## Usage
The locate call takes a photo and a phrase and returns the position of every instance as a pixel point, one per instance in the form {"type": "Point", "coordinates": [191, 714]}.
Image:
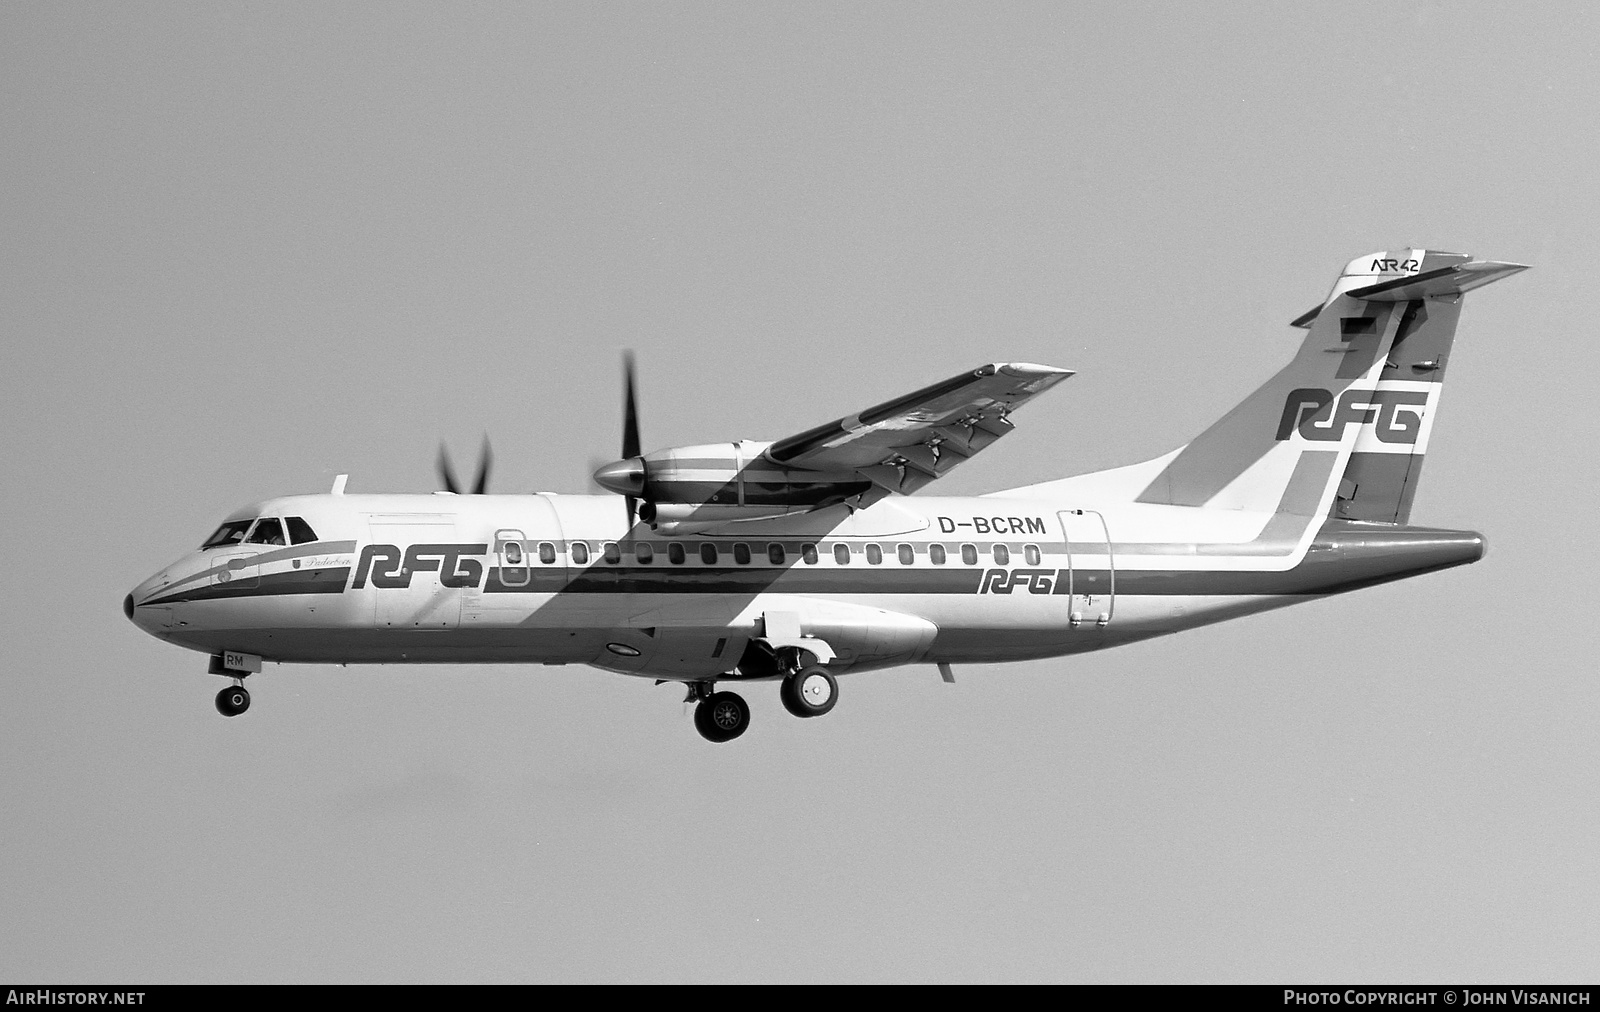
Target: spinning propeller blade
{"type": "Point", "coordinates": [630, 423]}
{"type": "Point", "coordinates": [630, 409]}
{"type": "Point", "coordinates": [447, 474]}
{"type": "Point", "coordinates": [485, 459]}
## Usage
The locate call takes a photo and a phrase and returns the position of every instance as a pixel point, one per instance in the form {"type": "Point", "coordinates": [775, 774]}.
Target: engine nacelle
{"type": "Point", "coordinates": [733, 476]}
{"type": "Point", "coordinates": [692, 518]}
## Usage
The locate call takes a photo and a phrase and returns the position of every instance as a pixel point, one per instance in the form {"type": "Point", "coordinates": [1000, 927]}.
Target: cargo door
{"type": "Point", "coordinates": [409, 589]}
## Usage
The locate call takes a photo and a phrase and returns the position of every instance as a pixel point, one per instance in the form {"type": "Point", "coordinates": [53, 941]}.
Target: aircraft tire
{"type": "Point", "coordinates": [809, 692]}
{"type": "Point", "coordinates": [702, 724]}
{"type": "Point", "coordinates": [786, 696]}
{"type": "Point", "coordinates": [722, 716]}
{"type": "Point", "coordinates": [233, 701]}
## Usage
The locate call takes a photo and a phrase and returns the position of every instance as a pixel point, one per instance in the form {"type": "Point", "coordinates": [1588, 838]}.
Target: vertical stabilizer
{"type": "Point", "coordinates": [1380, 478]}
{"type": "Point", "coordinates": [1342, 428]}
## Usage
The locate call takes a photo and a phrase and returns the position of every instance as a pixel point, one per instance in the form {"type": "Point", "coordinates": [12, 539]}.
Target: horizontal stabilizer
{"type": "Point", "coordinates": [1444, 281]}
{"type": "Point", "coordinates": [1415, 274]}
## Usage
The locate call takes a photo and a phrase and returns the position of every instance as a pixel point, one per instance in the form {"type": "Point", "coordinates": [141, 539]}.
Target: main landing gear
{"type": "Point", "coordinates": [724, 716]}
{"type": "Point", "coordinates": [809, 692]}
{"type": "Point", "coordinates": [718, 716]}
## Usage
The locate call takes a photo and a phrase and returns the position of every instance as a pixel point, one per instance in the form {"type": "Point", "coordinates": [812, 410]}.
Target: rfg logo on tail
{"type": "Point", "coordinates": [1311, 411]}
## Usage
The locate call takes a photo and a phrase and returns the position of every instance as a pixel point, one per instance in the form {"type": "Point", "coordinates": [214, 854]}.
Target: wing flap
{"type": "Point", "coordinates": [905, 443]}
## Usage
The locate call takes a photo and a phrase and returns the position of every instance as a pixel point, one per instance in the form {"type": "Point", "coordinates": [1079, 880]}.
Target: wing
{"type": "Point", "coordinates": [903, 444]}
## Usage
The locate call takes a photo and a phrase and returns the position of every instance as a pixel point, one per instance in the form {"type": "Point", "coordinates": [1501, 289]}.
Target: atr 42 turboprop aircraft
{"type": "Point", "coordinates": [797, 560]}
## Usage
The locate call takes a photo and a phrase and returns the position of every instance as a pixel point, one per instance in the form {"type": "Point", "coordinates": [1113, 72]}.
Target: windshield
{"type": "Point", "coordinates": [230, 533]}
{"type": "Point", "coordinates": [268, 532]}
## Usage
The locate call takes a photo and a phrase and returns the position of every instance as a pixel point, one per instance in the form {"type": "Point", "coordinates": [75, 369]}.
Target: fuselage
{"type": "Point", "coordinates": [566, 579]}
{"type": "Point", "coordinates": [817, 554]}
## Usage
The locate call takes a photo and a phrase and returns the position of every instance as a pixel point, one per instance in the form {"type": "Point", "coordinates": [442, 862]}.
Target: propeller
{"type": "Point", "coordinates": [447, 474]}
{"type": "Point", "coordinates": [626, 477]}
{"type": "Point", "coordinates": [630, 422]}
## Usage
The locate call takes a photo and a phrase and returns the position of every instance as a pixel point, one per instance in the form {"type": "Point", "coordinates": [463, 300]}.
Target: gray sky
{"type": "Point", "coordinates": [243, 249]}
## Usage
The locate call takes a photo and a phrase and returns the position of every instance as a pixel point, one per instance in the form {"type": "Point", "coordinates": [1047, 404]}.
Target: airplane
{"type": "Point", "coordinates": [806, 558]}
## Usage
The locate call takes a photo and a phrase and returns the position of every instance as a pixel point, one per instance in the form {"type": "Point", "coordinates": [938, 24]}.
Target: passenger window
{"type": "Point", "coordinates": [969, 554]}
{"type": "Point", "coordinates": [580, 552]}
{"type": "Point", "coordinates": [268, 532]}
{"type": "Point", "coordinates": [230, 533]}
{"type": "Point", "coordinates": [708, 553]}
{"type": "Point", "coordinates": [841, 554]}
{"type": "Point", "coordinates": [808, 552]}
{"type": "Point", "coordinates": [775, 554]}
{"type": "Point", "coordinates": [547, 553]}
{"type": "Point", "coordinates": [513, 553]}
{"type": "Point", "coordinates": [1002, 555]}
{"type": "Point", "coordinates": [1031, 553]}
{"type": "Point", "coordinates": [300, 532]}
{"type": "Point", "coordinates": [936, 554]}
{"type": "Point", "coordinates": [644, 554]}
{"type": "Point", "coordinates": [613, 554]}
{"type": "Point", "coordinates": [675, 553]}
{"type": "Point", "coordinates": [741, 553]}
{"type": "Point", "coordinates": [874, 554]}
{"type": "Point", "coordinates": [907, 555]}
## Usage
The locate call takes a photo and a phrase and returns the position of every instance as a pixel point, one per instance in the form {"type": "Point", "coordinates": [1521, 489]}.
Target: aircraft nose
{"type": "Point", "coordinates": [625, 477]}
{"type": "Point", "coordinates": [143, 617]}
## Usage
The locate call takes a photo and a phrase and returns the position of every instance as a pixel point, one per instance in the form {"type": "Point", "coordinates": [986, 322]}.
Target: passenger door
{"type": "Point", "coordinates": [511, 555]}
{"type": "Point", "coordinates": [1091, 569]}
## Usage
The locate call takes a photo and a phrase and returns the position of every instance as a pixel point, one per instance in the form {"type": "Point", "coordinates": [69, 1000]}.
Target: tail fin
{"type": "Point", "coordinates": [1375, 356]}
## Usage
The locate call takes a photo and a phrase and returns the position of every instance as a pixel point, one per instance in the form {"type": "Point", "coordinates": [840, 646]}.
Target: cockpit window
{"type": "Point", "coordinates": [230, 533]}
{"type": "Point", "coordinates": [268, 532]}
{"type": "Point", "coordinates": [300, 532]}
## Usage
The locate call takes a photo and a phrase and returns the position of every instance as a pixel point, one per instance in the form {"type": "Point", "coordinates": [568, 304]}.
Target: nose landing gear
{"type": "Point", "coordinates": [234, 665]}
{"type": "Point", "coordinates": [233, 701]}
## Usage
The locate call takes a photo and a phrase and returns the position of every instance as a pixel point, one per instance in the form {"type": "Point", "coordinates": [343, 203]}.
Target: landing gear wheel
{"type": "Point", "coordinates": [233, 701]}
{"type": "Point", "coordinates": [722, 716]}
{"type": "Point", "coordinates": [809, 692]}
